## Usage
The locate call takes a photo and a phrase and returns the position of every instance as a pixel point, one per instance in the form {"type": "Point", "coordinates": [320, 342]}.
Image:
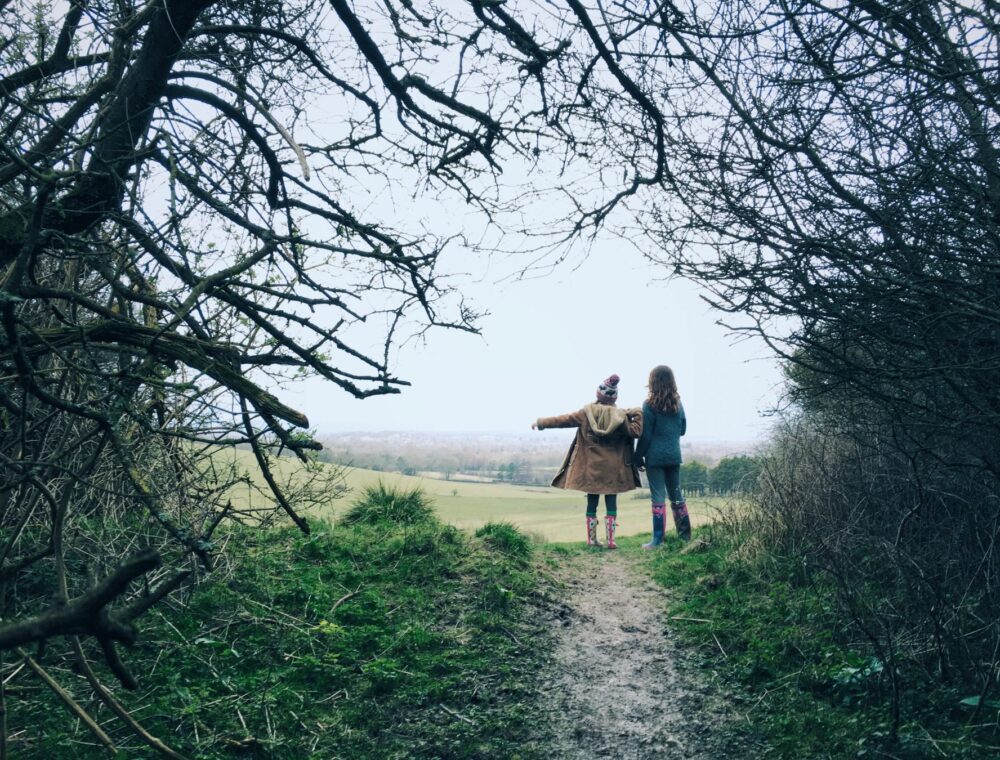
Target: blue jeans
{"type": "Point", "coordinates": [664, 480]}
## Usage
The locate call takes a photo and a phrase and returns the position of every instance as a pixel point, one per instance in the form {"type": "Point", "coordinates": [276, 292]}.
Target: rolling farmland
{"type": "Point", "coordinates": [547, 514]}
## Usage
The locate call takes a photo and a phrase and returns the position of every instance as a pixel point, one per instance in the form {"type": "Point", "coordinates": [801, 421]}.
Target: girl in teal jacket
{"type": "Point", "coordinates": [659, 451]}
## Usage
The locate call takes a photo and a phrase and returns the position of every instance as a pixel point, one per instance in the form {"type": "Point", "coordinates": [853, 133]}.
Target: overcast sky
{"type": "Point", "coordinates": [546, 345]}
{"type": "Point", "coordinates": [548, 341]}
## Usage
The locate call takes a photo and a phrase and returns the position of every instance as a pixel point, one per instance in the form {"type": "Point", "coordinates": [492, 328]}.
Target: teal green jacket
{"type": "Point", "coordinates": [660, 443]}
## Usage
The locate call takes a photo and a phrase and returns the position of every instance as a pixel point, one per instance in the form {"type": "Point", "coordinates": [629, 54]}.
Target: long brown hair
{"type": "Point", "coordinates": [663, 395]}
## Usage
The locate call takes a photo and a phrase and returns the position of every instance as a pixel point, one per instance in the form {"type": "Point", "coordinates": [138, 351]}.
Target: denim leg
{"type": "Point", "coordinates": [672, 479]}
{"type": "Point", "coordinates": [657, 484]}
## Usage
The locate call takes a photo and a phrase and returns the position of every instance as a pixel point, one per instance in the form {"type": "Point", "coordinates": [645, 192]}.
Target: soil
{"type": "Point", "coordinates": [618, 685]}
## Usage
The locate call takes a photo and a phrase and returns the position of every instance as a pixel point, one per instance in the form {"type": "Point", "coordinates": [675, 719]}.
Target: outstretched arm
{"type": "Point", "coordinates": [573, 419]}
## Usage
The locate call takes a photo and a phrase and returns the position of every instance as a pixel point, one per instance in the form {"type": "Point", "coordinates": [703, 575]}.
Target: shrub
{"type": "Point", "coordinates": [904, 537]}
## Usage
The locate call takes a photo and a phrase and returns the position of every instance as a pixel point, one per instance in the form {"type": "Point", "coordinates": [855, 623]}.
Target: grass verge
{"type": "Point", "coordinates": [387, 638]}
{"type": "Point", "coordinates": [804, 680]}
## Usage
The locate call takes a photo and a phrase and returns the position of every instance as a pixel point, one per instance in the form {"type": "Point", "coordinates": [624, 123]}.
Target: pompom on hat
{"type": "Point", "coordinates": [607, 392]}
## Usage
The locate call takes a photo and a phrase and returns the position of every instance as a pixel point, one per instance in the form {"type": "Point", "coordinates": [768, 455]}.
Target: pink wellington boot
{"type": "Point", "coordinates": [610, 525]}
{"type": "Point", "coordinates": [592, 532]}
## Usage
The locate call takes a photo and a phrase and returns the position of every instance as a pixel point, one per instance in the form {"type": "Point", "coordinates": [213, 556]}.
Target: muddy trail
{"type": "Point", "coordinates": [618, 684]}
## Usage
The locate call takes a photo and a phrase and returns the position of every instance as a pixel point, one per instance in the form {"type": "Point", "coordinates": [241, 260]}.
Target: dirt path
{"type": "Point", "coordinates": [617, 684]}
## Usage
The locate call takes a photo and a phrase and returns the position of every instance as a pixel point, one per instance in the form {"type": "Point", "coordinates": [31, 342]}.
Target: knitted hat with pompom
{"type": "Point", "coordinates": [607, 392]}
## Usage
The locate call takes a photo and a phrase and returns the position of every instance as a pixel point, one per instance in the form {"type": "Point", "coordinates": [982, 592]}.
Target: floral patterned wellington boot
{"type": "Point", "coordinates": [682, 520]}
{"type": "Point", "coordinates": [592, 532]}
{"type": "Point", "coordinates": [610, 524]}
{"type": "Point", "coordinates": [659, 520]}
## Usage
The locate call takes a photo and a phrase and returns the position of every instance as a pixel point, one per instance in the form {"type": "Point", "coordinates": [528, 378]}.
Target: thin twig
{"type": "Point", "coordinates": [67, 700]}
{"type": "Point", "coordinates": [933, 742]}
{"type": "Point", "coordinates": [344, 598]}
{"type": "Point", "coordinates": [691, 619]}
{"type": "Point", "coordinates": [457, 715]}
{"type": "Point", "coordinates": [719, 644]}
{"type": "Point", "coordinates": [297, 623]}
{"type": "Point", "coordinates": [117, 708]}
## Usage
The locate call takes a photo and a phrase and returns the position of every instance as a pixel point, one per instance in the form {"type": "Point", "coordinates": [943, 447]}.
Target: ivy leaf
{"type": "Point", "coordinates": [974, 702]}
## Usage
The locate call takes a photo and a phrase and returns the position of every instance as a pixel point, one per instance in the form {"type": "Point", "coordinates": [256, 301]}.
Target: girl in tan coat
{"type": "Point", "coordinates": [600, 459]}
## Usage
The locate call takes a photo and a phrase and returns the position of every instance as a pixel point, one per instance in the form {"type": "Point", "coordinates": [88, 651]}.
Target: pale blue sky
{"type": "Point", "coordinates": [549, 341]}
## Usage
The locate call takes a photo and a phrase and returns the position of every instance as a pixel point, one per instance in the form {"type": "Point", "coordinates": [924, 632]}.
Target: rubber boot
{"type": "Point", "coordinates": [681, 520]}
{"type": "Point", "coordinates": [610, 524]}
{"type": "Point", "coordinates": [659, 520]}
{"type": "Point", "coordinates": [592, 532]}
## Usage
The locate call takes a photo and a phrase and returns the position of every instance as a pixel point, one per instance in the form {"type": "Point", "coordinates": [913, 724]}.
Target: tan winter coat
{"type": "Point", "coordinates": [600, 458]}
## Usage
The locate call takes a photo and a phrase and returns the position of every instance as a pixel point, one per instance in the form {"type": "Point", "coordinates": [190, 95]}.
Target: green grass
{"type": "Point", "coordinates": [393, 635]}
{"type": "Point", "coordinates": [387, 638]}
{"type": "Point", "coordinates": [804, 680]}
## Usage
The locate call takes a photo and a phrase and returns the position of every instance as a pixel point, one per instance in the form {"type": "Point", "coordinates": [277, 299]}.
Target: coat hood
{"type": "Point", "coordinates": [604, 419]}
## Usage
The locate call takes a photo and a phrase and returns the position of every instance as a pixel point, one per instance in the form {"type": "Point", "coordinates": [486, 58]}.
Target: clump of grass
{"type": "Point", "coordinates": [382, 503]}
{"type": "Point", "coordinates": [505, 538]}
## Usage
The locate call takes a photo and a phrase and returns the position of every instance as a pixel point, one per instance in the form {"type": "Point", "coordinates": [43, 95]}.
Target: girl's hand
{"type": "Point", "coordinates": [534, 426]}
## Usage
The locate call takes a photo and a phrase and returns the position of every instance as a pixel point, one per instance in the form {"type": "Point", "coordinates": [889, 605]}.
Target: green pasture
{"type": "Point", "coordinates": [547, 514]}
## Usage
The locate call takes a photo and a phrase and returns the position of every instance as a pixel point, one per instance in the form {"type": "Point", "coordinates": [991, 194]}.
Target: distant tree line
{"type": "Point", "coordinates": [448, 466]}
{"type": "Point", "coordinates": [502, 462]}
{"type": "Point", "coordinates": [731, 476]}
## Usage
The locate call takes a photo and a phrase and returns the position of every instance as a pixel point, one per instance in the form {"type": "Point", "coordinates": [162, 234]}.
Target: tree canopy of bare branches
{"type": "Point", "coordinates": [846, 178]}
{"type": "Point", "coordinates": [197, 204]}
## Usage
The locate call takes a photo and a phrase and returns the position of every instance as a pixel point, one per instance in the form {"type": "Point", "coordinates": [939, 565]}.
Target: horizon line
{"type": "Point", "coordinates": [526, 433]}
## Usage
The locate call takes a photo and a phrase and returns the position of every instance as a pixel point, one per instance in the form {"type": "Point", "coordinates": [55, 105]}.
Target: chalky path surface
{"type": "Point", "coordinates": [617, 685]}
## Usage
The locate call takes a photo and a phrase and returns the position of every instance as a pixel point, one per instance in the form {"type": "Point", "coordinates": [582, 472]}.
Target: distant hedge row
{"type": "Point", "coordinates": [732, 475]}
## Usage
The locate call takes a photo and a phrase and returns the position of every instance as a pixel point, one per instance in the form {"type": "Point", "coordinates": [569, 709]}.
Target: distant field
{"type": "Point", "coordinates": [550, 514]}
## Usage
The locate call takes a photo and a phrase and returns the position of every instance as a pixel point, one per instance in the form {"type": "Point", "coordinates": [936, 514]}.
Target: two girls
{"type": "Point", "coordinates": [601, 459]}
